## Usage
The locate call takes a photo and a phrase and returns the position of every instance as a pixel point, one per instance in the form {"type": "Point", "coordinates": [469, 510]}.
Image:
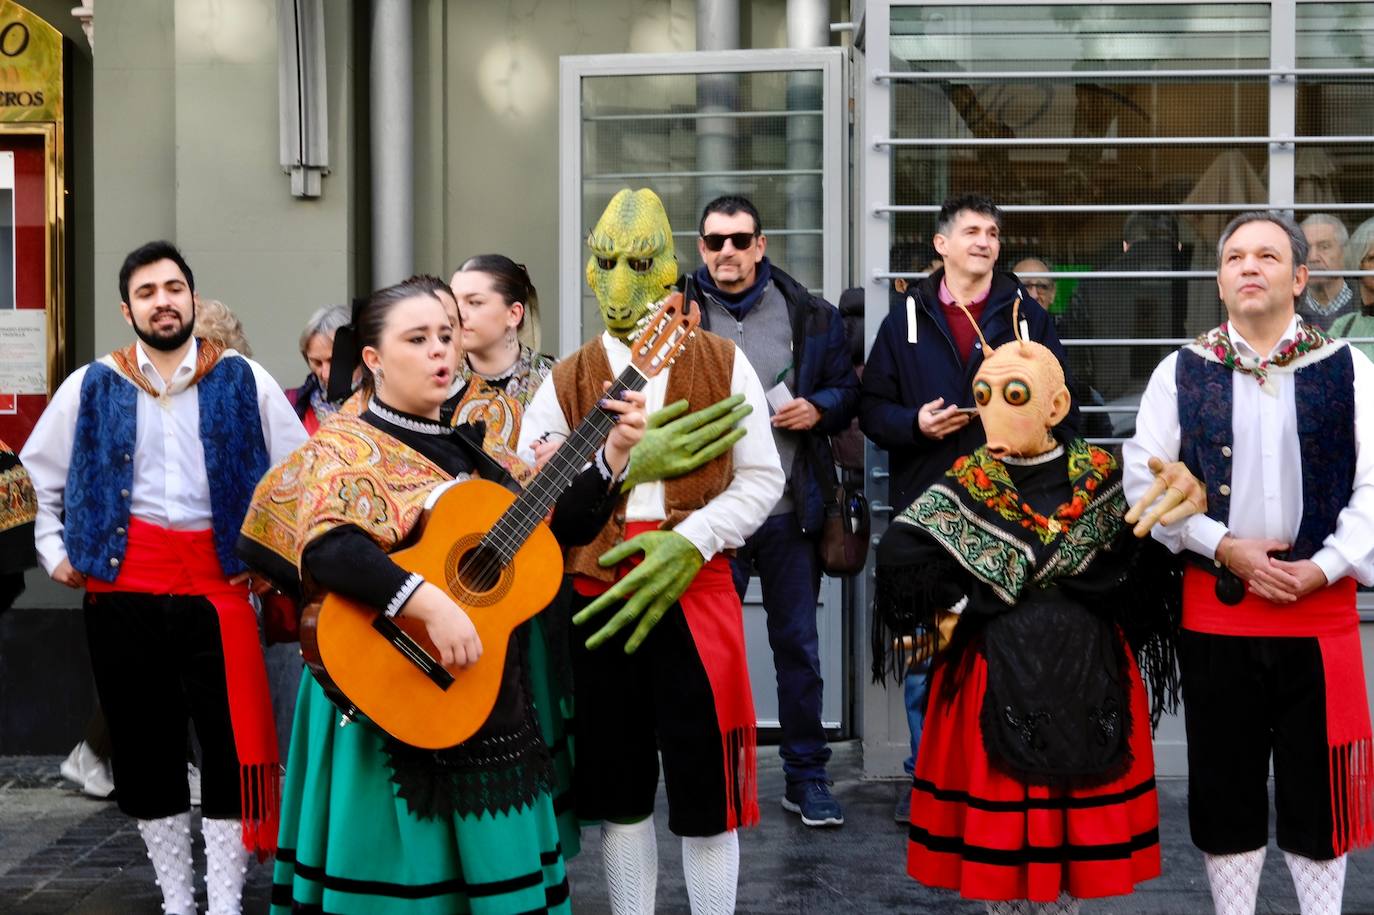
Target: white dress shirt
{"type": "Point", "coordinates": [728, 519]}
{"type": "Point", "coordinates": [170, 488]}
{"type": "Point", "coordinates": [1266, 463]}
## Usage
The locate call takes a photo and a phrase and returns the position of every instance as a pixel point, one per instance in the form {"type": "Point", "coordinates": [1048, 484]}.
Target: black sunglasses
{"type": "Point", "coordinates": [740, 240]}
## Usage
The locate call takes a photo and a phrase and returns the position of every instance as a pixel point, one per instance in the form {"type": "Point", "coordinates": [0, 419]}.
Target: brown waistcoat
{"type": "Point", "coordinates": [701, 376]}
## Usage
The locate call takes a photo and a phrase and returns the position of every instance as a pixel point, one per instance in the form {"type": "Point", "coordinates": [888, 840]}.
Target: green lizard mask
{"type": "Point", "coordinates": [632, 267]}
{"type": "Point", "coordinates": [633, 263]}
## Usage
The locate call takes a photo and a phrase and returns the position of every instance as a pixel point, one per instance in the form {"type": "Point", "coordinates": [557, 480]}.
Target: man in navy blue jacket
{"type": "Point", "coordinates": [796, 343]}
{"type": "Point", "coordinates": [918, 381]}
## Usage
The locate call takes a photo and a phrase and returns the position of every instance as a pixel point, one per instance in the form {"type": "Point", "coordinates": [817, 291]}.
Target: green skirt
{"type": "Point", "coordinates": [348, 845]}
{"type": "Point", "coordinates": [553, 707]}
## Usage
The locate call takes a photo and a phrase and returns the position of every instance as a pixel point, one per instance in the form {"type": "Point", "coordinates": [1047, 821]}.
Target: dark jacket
{"type": "Point", "coordinates": [824, 375]}
{"type": "Point", "coordinates": [899, 377]}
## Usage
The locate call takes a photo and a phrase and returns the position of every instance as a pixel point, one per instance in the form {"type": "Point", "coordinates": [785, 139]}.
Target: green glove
{"type": "Point", "coordinates": [670, 563]}
{"type": "Point", "coordinates": [674, 444]}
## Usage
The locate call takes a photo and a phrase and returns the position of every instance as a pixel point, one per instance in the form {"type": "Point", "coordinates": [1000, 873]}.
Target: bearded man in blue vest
{"type": "Point", "coordinates": [144, 464]}
{"type": "Point", "coordinates": [1277, 419]}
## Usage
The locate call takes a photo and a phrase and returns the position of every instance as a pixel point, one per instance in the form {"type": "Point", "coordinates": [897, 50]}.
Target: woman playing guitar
{"type": "Point", "coordinates": [369, 823]}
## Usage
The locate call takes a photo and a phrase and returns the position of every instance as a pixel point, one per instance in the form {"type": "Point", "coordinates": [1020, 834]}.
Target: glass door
{"type": "Point", "coordinates": [770, 125]}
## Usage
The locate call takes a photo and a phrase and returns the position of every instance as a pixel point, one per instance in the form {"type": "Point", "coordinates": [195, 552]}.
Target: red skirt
{"type": "Point", "coordinates": [989, 836]}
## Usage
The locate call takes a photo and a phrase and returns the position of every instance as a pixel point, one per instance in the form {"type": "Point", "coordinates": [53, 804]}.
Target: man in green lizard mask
{"type": "Point", "coordinates": [667, 673]}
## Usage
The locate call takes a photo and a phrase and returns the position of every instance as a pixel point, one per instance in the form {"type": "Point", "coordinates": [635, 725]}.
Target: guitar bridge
{"type": "Point", "coordinates": [416, 655]}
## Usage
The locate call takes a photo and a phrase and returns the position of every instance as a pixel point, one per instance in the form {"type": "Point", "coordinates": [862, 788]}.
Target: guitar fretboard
{"type": "Point", "coordinates": [514, 527]}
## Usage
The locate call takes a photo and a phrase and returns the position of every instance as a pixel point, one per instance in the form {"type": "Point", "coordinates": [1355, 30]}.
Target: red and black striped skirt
{"type": "Point", "coordinates": [989, 836]}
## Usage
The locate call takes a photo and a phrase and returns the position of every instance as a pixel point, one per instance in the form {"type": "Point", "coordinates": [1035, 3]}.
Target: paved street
{"type": "Point", "coordinates": [61, 852]}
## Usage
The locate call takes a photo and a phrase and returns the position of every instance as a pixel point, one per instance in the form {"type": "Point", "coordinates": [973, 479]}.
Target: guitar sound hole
{"type": "Point", "coordinates": [479, 570]}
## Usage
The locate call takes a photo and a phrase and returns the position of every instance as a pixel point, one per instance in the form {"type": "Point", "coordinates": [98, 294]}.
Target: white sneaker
{"type": "Point", "coordinates": [88, 771]}
{"type": "Point", "coordinates": [193, 781]}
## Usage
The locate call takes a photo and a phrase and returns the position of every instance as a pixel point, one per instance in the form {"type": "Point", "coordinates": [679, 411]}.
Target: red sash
{"type": "Point", "coordinates": [1329, 616]}
{"type": "Point", "coordinates": [161, 561]}
{"type": "Point", "coordinates": [716, 621]}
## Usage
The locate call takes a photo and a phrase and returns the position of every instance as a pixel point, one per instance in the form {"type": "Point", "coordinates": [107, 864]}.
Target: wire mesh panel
{"type": "Point", "coordinates": [1119, 138]}
{"type": "Point", "coordinates": [1133, 139]}
{"type": "Point", "coordinates": [1332, 177]}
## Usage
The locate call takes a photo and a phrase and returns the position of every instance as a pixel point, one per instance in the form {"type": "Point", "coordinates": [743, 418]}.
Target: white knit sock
{"type": "Point", "coordinates": [1064, 905]}
{"type": "Point", "coordinates": [1235, 881]}
{"type": "Point", "coordinates": [710, 865]}
{"type": "Point", "coordinates": [169, 848]}
{"type": "Point", "coordinates": [629, 853]}
{"type": "Point", "coordinates": [226, 864]}
{"type": "Point", "coordinates": [1320, 884]}
{"type": "Point", "coordinates": [1009, 907]}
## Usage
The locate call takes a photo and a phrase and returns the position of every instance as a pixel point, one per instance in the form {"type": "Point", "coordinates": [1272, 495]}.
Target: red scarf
{"type": "Point", "coordinates": [1329, 616]}
{"type": "Point", "coordinates": [716, 621]}
{"type": "Point", "coordinates": [161, 561]}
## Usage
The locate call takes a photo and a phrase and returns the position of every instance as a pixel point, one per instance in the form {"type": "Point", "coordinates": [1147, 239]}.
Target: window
{"type": "Point", "coordinates": [1120, 139]}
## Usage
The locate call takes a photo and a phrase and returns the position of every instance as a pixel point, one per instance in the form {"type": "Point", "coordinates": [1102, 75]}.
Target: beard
{"type": "Point", "coordinates": [170, 340]}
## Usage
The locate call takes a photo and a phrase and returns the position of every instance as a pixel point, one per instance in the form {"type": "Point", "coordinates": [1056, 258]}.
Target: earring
{"type": "Point", "coordinates": [379, 373]}
{"type": "Point", "coordinates": [510, 338]}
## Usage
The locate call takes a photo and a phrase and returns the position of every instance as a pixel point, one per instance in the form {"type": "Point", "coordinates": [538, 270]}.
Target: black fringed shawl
{"type": "Point", "coordinates": [1050, 604]}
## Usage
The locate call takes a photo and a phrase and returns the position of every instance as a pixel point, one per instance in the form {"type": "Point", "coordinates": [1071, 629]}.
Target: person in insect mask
{"type": "Point", "coordinates": [1018, 570]}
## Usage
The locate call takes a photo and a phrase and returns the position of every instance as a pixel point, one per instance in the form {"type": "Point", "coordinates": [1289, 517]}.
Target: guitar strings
{"type": "Point", "coordinates": [498, 546]}
{"type": "Point", "coordinates": [533, 504]}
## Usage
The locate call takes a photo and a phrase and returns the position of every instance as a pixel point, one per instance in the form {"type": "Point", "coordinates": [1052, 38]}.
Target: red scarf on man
{"type": "Point", "coordinates": [162, 561]}
{"type": "Point", "coordinates": [1329, 616]}
{"type": "Point", "coordinates": [716, 621]}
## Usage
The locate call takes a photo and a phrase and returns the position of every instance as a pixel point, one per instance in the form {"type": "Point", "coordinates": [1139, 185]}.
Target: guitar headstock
{"type": "Point", "coordinates": [665, 336]}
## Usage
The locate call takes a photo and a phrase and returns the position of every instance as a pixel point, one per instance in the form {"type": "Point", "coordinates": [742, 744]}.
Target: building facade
{"type": "Point", "coordinates": [395, 136]}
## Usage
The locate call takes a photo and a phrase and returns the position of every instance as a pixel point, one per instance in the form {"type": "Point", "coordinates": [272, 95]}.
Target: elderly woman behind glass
{"type": "Point", "coordinates": [317, 349]}
{"type": "Point", "coordinates": [1359, 255]}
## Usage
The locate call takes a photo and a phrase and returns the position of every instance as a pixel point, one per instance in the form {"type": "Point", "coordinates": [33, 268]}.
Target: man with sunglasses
{"type": "Point", "coordinates": [796, 344]}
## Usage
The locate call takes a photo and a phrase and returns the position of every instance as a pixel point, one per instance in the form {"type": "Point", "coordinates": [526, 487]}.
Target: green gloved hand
{"type": "Point", "coordinates": [675, 444]}
{"type": "Point", "coordinates": [670, 563]}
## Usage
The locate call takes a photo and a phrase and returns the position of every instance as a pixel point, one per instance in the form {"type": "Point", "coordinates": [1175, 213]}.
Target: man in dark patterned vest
{"type": "Point", "coordinates": [144, 464]}
{"type": "Point", "coordinates": [1273, 416]}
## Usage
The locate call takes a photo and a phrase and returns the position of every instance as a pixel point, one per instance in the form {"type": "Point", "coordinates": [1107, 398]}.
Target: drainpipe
{"type": "Point", "coordinates": [808, 26]}
{"type": "Point", "coordinates": [717, 30]}
{"type": "Point", "coordinates": [393, 137]}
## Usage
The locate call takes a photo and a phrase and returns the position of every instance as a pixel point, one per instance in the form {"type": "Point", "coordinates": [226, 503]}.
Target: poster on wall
{"type": "Point", "coordinates": [25, 320]}
{"type": "Point", "coordinates": [33, 300]}
{"type": "Point", "coordinates": [15, 338]}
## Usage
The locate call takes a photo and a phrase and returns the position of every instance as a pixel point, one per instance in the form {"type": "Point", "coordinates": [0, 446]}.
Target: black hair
{"type": "Point", "coordinates": [151, 253]}
{"type": "Point", "coordinates": [729, 205]}
{"type": "Point", "coordinates": [430, 282]}
{"type": "Point", "coordinates": [510, 280]}
{"type": "Point", "coordinates": [369, 318]}
{"type": "Point", "coordinates": [966, 203]}
{"type": "Point", "coordinates": [1147, 226]}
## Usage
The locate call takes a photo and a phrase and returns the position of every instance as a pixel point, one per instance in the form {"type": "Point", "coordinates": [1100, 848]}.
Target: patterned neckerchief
{"type": "Point", "coordinates": [986, 479]}
{"type": "Point", "coordinates": [522, 379]}
{"type": "Point", "coordinates": [126, 363]}
{"type": "Point", "coordinates": [1217, 343]}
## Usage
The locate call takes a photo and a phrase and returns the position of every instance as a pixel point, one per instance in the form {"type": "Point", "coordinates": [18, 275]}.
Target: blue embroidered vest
{"type": "Point", "coordinates": [1325, 394]}
{"type": "Point", "coordinates": [100, 478]}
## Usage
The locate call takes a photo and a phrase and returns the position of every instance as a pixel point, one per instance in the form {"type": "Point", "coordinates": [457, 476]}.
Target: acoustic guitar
{"type": "Point", "coordinates": [498, 560]}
